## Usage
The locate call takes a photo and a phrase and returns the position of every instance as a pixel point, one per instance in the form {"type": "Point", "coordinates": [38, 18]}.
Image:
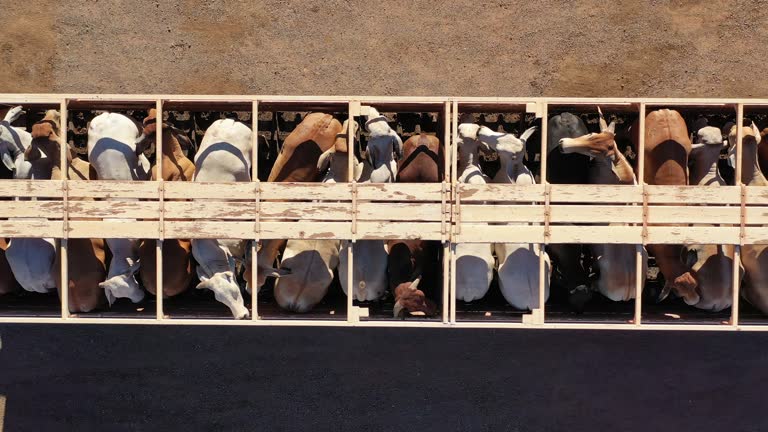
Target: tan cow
{"type": "Point", "coordinates": [297, 162]}
{"type": "Point", "coordinates": [667, 146]}
{"type": "Point", "coordinates": [753, 257]}
{"type": "Point", "coordinates": [177, 253]}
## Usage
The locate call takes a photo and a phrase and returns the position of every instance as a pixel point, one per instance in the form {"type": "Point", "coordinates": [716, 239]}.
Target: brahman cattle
{"type": "Point", "coordinates": [177, 253]}
{"type": "Point", "coordinates": [32, 260]}
{"type": "Point", "coordinates": [311, 262]}
{"type": "Point", "coordinates": [13, 142]}
{"type": "Point", "coordinates": [87, 266]}
{"type": "Point", "coordinates": [568, 168]}
{"type": "Point", "coordinates": [224, 156]}
{"type": "Point", "coordinates": [369, 273]}
{"type": "Point", "coordinates": [754, 257]}
{"type": "Point", "coordinates": [296, 162]}
{"type": "Point", "coordinates": [474, 261]}
{"type": "Point", "coordinates": [115, 150]}
{"type": "Point", "coordinates": [518, 262]}
{"type": "Point", "coordinates": [383, 142]}
{"type": "Point", "coordinates": [616, 263]}
{"type": "Point", "coordinates": [412, 264]}
{"type": "Point", "coordinates": [667, 146]}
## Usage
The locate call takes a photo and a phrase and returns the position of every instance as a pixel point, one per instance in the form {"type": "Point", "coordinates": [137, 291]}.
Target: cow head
{"type": "Point", "coordinates": [45, 138]}
{"type": "Point", "coordinates": [594, 144]}
{"type": "Point", "coordinates": [227, 291]}
{"type": "Point", "coordinates": [11, 148]}
{"type": "Point", "coordinates": [123, 285]}
{"type": "Point", "coordinates": [507, 146]}
{"type": "Point", "coordinates": [408, 298]}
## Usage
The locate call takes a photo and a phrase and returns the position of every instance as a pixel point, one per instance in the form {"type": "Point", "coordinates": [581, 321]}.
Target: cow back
{"type": "Point", "coordinates": [667, 147]}
{"type": "Point", "coordinates": [297, 161]}
{"type": "Point", "coordinates": [421, 161]}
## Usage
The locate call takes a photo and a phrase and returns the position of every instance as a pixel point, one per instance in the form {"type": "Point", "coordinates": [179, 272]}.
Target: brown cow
{"type": "Point", "coordinates": [762, 151]}
{"type": "Point", "coordinates": [177, 253]}
{"type": "Point", "coordinates": [412, 263]}
{"type": "Point", "coordinates": [667, 146]}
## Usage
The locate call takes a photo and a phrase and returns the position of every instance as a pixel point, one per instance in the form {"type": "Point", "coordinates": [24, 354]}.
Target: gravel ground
{"type": "Point", "coordinates": [681, 48]}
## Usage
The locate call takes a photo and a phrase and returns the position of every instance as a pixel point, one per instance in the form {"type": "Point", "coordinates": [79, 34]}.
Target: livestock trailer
{"type": "Point", "coordinates": [449, 212]}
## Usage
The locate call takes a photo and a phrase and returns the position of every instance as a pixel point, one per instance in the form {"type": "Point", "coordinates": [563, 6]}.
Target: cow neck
{"type": "Point", "coordinates": [512, 169]}
{"type": "Point", "coordinates": [704, 170]}
{"type": "Point", "coordinates": [173, 150]}
{"type": "Point", "coordinates": [751, 174]}
{"type": "Point", "coordinates": [606, 171]}
{"type": "Point", "coordinates": [340, 167]}
{"type": "Point", "coordinates": [468, 157]}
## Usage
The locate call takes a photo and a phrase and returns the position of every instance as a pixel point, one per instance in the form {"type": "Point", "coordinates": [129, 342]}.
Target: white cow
{"type": "Point", "coordinates": [518, 262]}
{"type": "Point", "coordinates": [115, 145]}
{"type": "Point", "coordinates": [13, 142]}
{"type": "Point", "coordinates": [32, 260]}
{"type": "Point", "coordinates": [474, 261]}
{"type": "Point", "coordinates": [224, 156]}
{"type": "Point", "coordinates": [370, 256]}
{"type": "Point", "coordinates": [382, 143]}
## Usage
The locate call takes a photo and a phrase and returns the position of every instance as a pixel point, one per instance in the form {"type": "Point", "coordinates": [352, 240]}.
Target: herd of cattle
{"type": "Point", "coordinates": [102, 270]}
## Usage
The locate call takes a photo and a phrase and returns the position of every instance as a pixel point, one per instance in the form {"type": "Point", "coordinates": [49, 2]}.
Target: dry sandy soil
{"type": "Point", "coordinates": [682, 48]}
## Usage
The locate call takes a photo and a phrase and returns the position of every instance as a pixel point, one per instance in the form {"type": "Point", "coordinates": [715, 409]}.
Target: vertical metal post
{"type": "Point", "coordinates": [159, 290]}
{"type": "Point", "coordinates": [738, 181]}
{"type": "Point", "coordinates": [446, 212]}
{"type": "Point", "coordinates": [455, 194]}
{"type": "Point", "coordinates": [352, 316]}
{"type": "Point", "coordinates": [539, 317]}
{"type": "Point", "coordinates": [639, 248]}
{"type": "Point", "coordinates": [257, 226]}
{"type": "Point", "coordinates": [64, 166]}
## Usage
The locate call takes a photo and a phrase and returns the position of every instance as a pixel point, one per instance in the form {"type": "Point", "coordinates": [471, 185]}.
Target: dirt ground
{"type": "Point", "coordinates": [682, 48]}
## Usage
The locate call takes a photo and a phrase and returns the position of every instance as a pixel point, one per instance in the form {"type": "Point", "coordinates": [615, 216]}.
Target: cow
{"type": "Point", "coordinates": [383, 141]}
{"type": "Point", "coordinates": [370, 269]}
{"type": "Point", "coordinates": [762, 151]}
{"type": "Point", "coordinates": [115, 149]}
{"type": "Point", "coordinates": [32, 260]}
{"type": "Point", "coordinates": [754, 257]}
{"type": "Point", "coordinates": [177, 253]}
{"type": "Point", "coordinates": [568, 168]}
{"type": "Point", "coordinates": [224, 156]}
{"type": "Point", "coordinates": [296, 162]}
{"type": "Point", "coordinates": [518, 262]}
{"type": "Point", "coordinates": [87, 268]}
{"type": "Point", "coordinates": [616, 263]}
{"type": "Point", "coordinates": [474, 261]}
{"type": "Point", "coordinates": [414, 263]}
{"type": "Point", "coordinates": [13, 142]}
{"type": "Point", "coordinates": [667, 147]}
{"type": "Point", "coordinates": [311, 262]}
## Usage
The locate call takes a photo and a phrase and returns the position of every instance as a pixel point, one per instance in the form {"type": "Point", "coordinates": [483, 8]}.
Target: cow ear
{"type": "Point", "coordinates": [612, 127]}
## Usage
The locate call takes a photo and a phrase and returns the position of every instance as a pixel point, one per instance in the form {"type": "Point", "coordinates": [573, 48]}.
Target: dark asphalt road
{"type": "Point", "coordinates": [106, 378]}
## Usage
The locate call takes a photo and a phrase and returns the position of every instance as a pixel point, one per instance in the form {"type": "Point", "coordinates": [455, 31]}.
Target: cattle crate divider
{"type": "Point", "coordinates": [530, 213]}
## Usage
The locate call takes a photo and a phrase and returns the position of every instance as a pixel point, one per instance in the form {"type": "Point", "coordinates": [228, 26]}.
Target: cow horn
{"type": "Point", "coordinates": [757, 133]}
{"type": "Point", "coordinates": [603, 123]}
{"type": "Point", "coordinates": [527, 134]}
{"type": "Point", "coordinates": [397, 310]}
{"type": "Point", "coordinates": [274, 272]}
{"type": "Point", "coordinates": [415, 284]}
